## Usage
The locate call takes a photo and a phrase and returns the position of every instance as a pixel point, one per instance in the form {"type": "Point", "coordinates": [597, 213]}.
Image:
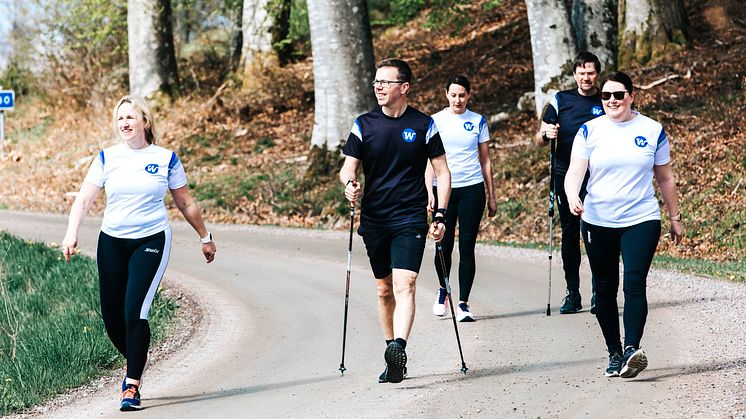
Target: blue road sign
{"type": "Point", "coordinates": [7, 99]}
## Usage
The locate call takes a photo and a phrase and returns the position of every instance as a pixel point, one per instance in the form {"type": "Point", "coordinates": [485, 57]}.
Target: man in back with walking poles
{"type": "Point", "coordinates": [394, 143]}
{"type": "Point", "coordinates": [567, 111]}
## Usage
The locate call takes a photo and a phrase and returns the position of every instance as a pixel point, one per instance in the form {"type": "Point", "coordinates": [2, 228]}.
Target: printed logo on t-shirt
{"type": "Point", "coordinates": [409, 135]}
{"type": "Point", "coordinates": [596, 111]}
{"type": "Point", "coordinates": [641, 141]}
{"type": "Point", "coordinates": [468, 126]}
{"type": "Point", "coordinates": [151, 168]}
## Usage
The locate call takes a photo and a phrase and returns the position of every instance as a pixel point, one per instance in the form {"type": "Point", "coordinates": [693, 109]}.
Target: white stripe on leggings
{"type": "Point", "coordinates": [150, 296]}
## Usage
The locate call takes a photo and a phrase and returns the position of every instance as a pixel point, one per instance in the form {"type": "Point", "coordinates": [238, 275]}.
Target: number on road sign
{"type": "Point", "coordinates": [7, 99]}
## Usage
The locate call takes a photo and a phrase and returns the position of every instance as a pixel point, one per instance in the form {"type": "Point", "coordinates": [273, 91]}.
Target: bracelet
{"type": "Point", "coordinates": [350, 181]}
{"type": "Point", "coordinates": [443, 211]}
{"type": "Point", "coordinates": [206, 239]}
{"type": "Point", "coordinates": [676, 217]}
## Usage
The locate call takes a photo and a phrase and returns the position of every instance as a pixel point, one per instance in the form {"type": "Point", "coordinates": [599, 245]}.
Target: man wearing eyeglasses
{"type": "Point", "coordinates": [394, 143]}
{"type": "Point", "coordinates": [568, 110]}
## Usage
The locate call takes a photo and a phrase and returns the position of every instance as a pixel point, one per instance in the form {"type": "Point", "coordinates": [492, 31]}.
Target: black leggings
{"type": "Point", "coordinates": [129, 272]}
{"type": "Point", "coordinates": [637, 245]}
{"type": "Point", "coordinates": [570, 235]}
{"type": "Point", "coordinates": [467, 206]}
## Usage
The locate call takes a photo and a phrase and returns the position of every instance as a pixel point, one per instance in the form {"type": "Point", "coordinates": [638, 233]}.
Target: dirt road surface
{"type": "Point", "coordinates": [270, 341]}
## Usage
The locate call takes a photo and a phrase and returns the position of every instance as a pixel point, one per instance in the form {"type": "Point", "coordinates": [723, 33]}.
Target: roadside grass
{"type": "Point", "coordinates": [732, 271]}
{"type": "Point", "coordinates": [51, 333]}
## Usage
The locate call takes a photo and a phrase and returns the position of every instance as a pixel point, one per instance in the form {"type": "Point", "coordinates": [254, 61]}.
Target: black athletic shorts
{"type": "Point", "coordinates": [390, 248]}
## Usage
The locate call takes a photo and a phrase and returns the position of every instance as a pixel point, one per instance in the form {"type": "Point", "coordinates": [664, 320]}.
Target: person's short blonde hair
{"type": "Point", "coordinates": [144, 111]}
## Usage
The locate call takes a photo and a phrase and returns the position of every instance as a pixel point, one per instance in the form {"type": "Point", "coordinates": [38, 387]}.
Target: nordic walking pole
{"type": "Point", "coordinates": [439, 251]}
{"type": "Point", "coordinates": [342, 368]}
{"type": "Point", "coordinates": [551, 220]}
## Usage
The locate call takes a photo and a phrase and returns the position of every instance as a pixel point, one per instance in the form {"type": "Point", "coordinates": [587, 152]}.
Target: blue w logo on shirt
{"type": "Point", "coordinates": [468, 126]}
{"type": "Point", "coordinates": [409, 135]}
{"type": "Point", "coordinates": [596, 111]}
{"type": "Point", "coordinates": [151, 168]}
{"type": "Point", "coordinates": [641, 141]}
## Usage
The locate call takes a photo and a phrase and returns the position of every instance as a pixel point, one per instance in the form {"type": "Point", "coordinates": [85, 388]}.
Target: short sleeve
{"type": "Point", "coordinates": [354, 145]}
{"type": "Point", "coordinates": [434, 142]}
{"type": "Point", "coordinates": [552, 111]}
{"type": "Point", "coordinates": [484, 131]}
{"type": "Point", "coordinates": [580, 144]}
{"type": "Point", "coordinates": [176, 174]}
{"type": "Point", "coordinates": [95, 173]}
{"type": "Point", "coordinates": [662, 149]}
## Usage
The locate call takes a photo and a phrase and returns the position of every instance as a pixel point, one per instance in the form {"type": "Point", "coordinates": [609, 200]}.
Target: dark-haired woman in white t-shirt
{"type": "Point", "coordinates": [465, 138]}
{"type": "Point", "coordinates": [623, 150]}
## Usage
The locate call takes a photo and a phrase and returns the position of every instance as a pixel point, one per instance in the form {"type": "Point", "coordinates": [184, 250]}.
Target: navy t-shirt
{"type": "Point", "coordinates": [571, 110]}
{"type": "Point", "coordinates": [394, 154]}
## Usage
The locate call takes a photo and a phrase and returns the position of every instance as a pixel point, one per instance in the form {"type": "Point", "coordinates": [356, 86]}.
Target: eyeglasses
{"type": "Point", "coordinates": [617, 95]}
{"type": "Point", "coordinates": [385, 83]}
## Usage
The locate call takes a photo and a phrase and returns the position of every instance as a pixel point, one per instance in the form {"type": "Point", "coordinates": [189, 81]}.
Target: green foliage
{"type": "Point", "coordinates": [18, 78]}
{"type": "Point", "coordinates": [51, 334]}
{"type": "Point", "coordinates": [84, 44]}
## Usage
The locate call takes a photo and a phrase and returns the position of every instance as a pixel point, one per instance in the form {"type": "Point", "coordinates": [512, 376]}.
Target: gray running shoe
{"type": "Point", "coordinates": [635, 361]}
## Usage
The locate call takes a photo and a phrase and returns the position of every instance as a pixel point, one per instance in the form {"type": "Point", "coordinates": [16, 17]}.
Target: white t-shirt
{"type": "Point", "coordinates": [461, 135]}
{"type": "Point", "coordinates": [135, 182]}
{"type": "Point", "coordinates": [620, 158]}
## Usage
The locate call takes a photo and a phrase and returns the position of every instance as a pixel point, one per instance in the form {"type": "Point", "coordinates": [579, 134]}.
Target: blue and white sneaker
{"type": "Point", "coordinates": [616, 361]}
{"type": "Point", "coordinates": [440, 306]}
{"type": "Point", "coordinates": [463, 313]}
{"type": "Point", "coordinates": [130, 399]}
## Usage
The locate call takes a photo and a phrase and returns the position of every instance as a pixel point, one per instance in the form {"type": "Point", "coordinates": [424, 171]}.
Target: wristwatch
{"type": "Point", "coordinates": [206, 239]}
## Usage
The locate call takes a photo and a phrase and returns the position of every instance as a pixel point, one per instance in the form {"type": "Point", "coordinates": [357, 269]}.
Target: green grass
{"type": "Point", "coordinates": [51, 334]}
{"type": "Point", "coordinates": [733, 271]}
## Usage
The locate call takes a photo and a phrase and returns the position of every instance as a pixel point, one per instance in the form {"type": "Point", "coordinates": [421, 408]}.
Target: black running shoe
{"type": "Point", "coordinates": [593, 303]}
{"type": "Point", "coordinates": [382, 377]}
{"type": "Point", "coordinates": [572, 303]}
{"type": "Point", "coordinates": [635, 361]}
{"type": "Point", "coordinates": [616, 360]}
{"type": "Point", "coordinates": [396, 362]}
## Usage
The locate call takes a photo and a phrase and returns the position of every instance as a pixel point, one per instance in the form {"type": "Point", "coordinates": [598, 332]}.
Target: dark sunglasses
{"type": "Point", "coordinates": [617, 95]}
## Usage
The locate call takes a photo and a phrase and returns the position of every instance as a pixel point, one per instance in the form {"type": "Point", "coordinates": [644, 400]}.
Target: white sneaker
{"type": "Point", "coordinates": [463, 313]}
{"type": "Point", "coordinates": [441, 303]}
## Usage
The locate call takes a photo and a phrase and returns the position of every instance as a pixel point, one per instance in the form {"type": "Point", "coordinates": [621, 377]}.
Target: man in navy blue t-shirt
{"type": "Point", "coordinates": [394, 143]}
{"type": "Point", "coordinates": [567, 111]}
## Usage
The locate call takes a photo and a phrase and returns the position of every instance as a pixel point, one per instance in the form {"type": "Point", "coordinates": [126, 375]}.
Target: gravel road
{"type": "Point", "coordinates": [269, 322]}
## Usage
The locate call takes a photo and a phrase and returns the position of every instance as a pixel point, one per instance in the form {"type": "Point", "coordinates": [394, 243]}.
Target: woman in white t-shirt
{"type": "Point", "coordinates": [135, 239]}
{"type": "Point", "coordinates": [466, 140]}
{"type": "Point", "coordinates": [623, 150]}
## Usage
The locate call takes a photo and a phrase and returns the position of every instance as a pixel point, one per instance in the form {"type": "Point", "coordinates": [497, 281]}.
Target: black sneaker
{"type": "Point", "coordinates": [396, 362]}
{"type": "Point", "coordinates": [382, 377]}
{"type": "Point", "coordinates": [616, 360]}
{"type": "Point", "coordinates": [572, 303]}
{"type": "Point", "coordinates": [593, 303]}
{"type": "Point", "coordinates": [635, 361]}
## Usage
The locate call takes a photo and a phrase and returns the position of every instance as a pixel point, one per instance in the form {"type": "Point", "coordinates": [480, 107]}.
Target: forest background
{"type": "Point", "coordinates": [240, 111]}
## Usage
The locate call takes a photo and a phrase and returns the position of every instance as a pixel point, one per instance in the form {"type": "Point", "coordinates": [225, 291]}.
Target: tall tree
{"type": "Point", "coordinates": [265, 25]}
{"type": "Point", "coordinates": [152, 59]}
{"type": "Point", "coordinates": [552, 47]}
{"type": "Point", "coordinates": [236, 47]}
{"type": "Point", "coordinates": [595, 25]}
{"type": "Point", "coordinates": [648, 29]}
{"type": "Point", "coordinates": [343, 67]}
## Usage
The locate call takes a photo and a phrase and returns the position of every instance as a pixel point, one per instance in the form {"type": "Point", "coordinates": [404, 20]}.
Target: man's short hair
{"type": "Point", "coordinates": [585, 57]}
{"type": "Point", "coordinates": [405, 72]}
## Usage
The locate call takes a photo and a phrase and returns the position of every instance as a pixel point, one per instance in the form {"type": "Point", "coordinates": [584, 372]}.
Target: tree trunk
{"type": "Point", "coordinates": [552, 48]}
{"type": "Point", "coordinates": [256, 52]}
{"type": "Point", "coordinates": [152, 60]}
{"type": "Point", "coordinates": [595, 24]}
{"type": "Point", "coordinates": [343, 67]}
{"type": "Point", "coordinates": [236, 36]}
{"type": "Point", "coordinates": [650, 29]}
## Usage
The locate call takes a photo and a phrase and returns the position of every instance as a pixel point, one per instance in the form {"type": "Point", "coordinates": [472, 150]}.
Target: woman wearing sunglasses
{"type": "Point", "coordinates": [623, 150]}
